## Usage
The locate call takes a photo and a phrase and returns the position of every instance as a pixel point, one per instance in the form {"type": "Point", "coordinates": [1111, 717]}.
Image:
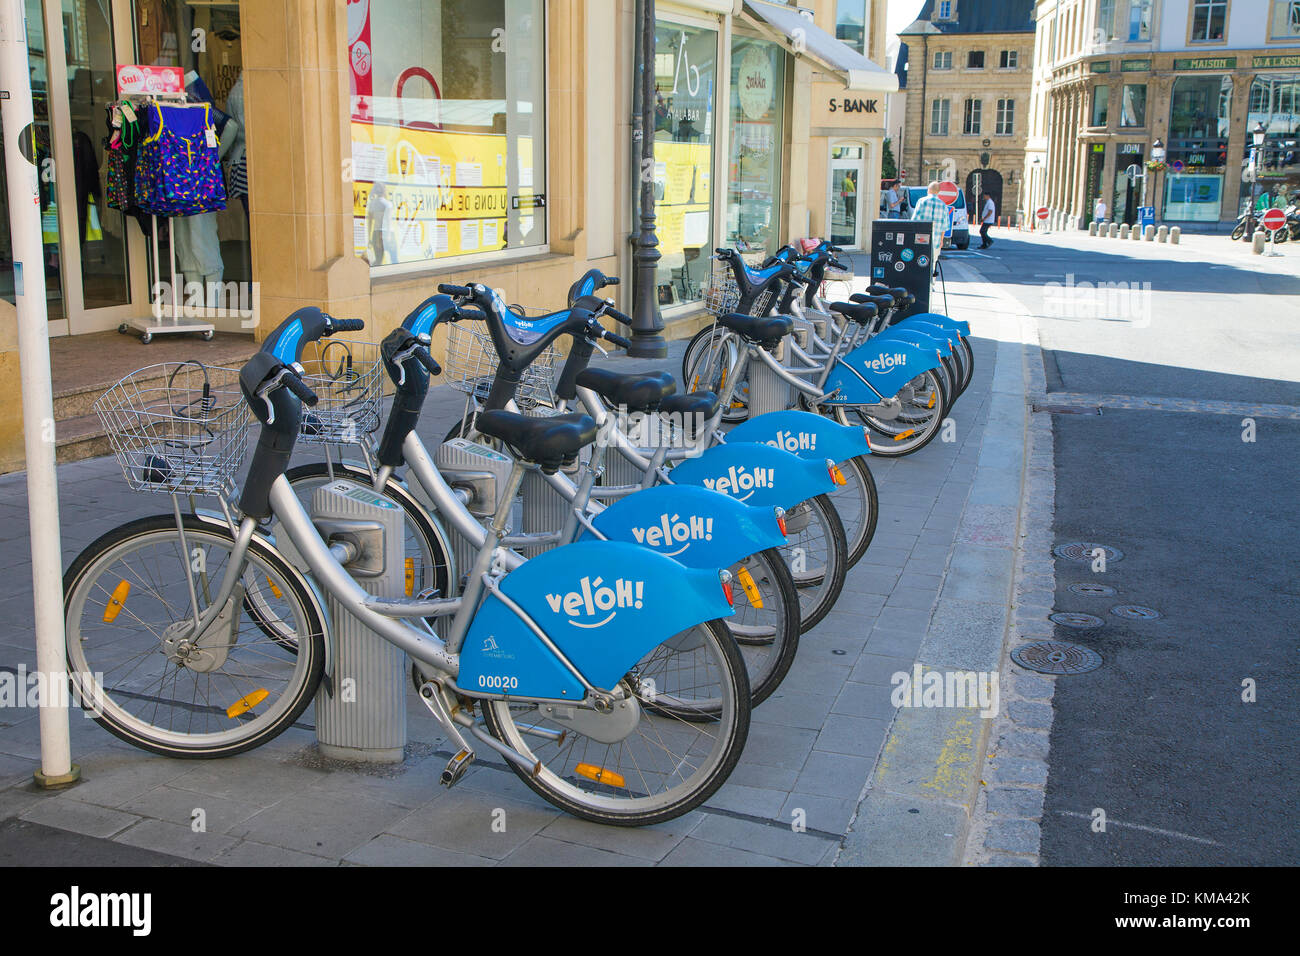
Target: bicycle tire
{"type": "Point", "coordinates": [858, 532]}
{"type": "Point", "coordinates": [305, 666]}
{"type": "Point", "coordinates": [889, 447]}
{"type": "Point", "coordinates": [818, 588]}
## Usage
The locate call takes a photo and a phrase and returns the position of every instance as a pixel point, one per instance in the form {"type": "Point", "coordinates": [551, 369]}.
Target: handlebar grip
{"type": "Point", "coordinates": [460, 291]}
{"type": "Point", "coordinates": [618, 340]}
{"type": "Point", "coordinates": [611, 280]}
{"type": "Point", "coordinates": [301, 389]}
{"type": "Point", "coordinates": [428, 361]}
{"type": "Point", "coordinates": [725, 253]}
{"type": "Point", "coordinates": [346, 325]}
{"type": "Point", "coordinates": [618, 316]}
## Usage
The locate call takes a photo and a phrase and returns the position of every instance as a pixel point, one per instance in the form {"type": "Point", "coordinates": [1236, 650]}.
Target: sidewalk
{"type": "Point", "coordinates": [935, 586]}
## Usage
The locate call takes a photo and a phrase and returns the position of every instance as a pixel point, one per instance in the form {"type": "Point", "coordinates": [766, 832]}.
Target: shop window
{"type": "Point", "coordinates": [1274, 101]}
{"type": "Point", "coordinates": [1193, 197]}
{"type": "Point", "coordinates": [757, 117]}
{"type": "Point", "coordinates": [1209, 20]}
{"type": "Point", "coordinates": [939, 110]}
{"type": "Point", "coordinates": [1006, 118]}
{"type": "Point", "coordinates": [448, 128]}
{"type": "Point", "coordinates": [975, 59]}
{"type": "Point", "coordinates": [1100, 105]}
{"type": "Point", "coordinates": [1133, 105]}
{"type": "Point", "coordinates": [971, 122]}
{"type": "Point", "coordinates": [685, 64]}
{"type": "Point", "coordinates": [1199, 117]}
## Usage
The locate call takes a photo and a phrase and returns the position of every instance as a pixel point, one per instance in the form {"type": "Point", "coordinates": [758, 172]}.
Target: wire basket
{"type": "Point", "coordinates": [472, 361]}
{"type": "Point", "coordinates": [722, 295]}
{"type": "Point", "coordinates": [178, 427]}
{"type": "Point", "coordinates": [347, 377]}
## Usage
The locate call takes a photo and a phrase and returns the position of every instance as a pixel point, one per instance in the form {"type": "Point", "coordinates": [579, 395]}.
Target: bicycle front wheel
{"type": "Point", "coordinates": [691, 720]}
{"type": "Point", "coordinates": [858, 507]}
{"type": "Point", "coordinates": [135, 662]}
{"type": "Point", "coordinates": [921, 414]}
{"type": "Point", "coordinates": [815, 552]}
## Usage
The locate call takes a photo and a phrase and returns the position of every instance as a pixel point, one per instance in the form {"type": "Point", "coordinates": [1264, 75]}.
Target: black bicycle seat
{"type": "Point", "coordinates": [637, 391]}
{"type": "Point", "coordinates": [881, 302]}
{"type": "Point", "coordinates": [758, 328]}
{"type": "Point", "coordinates": [550, 442]}
{"type": "Point", "coordinates": [859, 312]}
{"type": "Point", "coordinates": [702, 404]}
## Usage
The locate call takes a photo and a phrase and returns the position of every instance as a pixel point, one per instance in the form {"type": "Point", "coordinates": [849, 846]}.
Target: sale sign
{"type": "Point", "coordinates": [360, 64]}
{"type": "Point", "coordinates": [139, 80]}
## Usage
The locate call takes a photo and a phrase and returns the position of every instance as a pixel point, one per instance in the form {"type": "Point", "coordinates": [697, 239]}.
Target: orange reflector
{"type": "Point", "coordinates": [907, 434]}
{"type": "Point", "coordinates": [780, 522]}
{"type": "Point", "coordinates": [837, 476]}
{"type": "Point", "coordinates": [931, 405]}
{"type": "Point", "coordinates": [737, 404]}
{"type": "Point", "coordinates": [600, 775]}
{"type": "Point", "coordinates": [247, 702]}
{"type": "Point", "coordinates": [115, 602]}
{"type": "Point", "coordinates": [410, 576]}
{"type": "Point", "coordinates": [274, 590]}
{"type": "Point", "coordinates": [751, 589]}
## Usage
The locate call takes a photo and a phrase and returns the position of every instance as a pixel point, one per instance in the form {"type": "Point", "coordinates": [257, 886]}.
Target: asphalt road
{"type": "Point", "coordinates": [1159, 738]}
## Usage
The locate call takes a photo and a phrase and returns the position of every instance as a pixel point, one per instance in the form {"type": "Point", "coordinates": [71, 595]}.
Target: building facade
{"type": "Point", "coordinates": [1113, 77]}
{"type": "Point", "coordinates": [389, 146]}
{"type": "Point", "coordinates": [968, 88]}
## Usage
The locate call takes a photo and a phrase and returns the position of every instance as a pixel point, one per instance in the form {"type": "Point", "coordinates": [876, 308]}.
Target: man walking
{"type": "Point", "coordinates": [1099, 211]}
{"type": "Point", "coordinates": [987, 218]}
{"type": "Point", "coordinates": [934, 210]}
{"type": "Point", "coordinates": [893, 209]}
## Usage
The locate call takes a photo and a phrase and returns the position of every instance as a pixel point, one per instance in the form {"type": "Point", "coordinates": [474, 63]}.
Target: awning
{"type": "Point", "coordinates": [808, 39]}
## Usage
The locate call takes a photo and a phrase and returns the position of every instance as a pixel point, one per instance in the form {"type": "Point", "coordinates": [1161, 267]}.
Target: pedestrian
{"type": "Point", "coordinates": [893, 207]}
{"type": "Point", "coordinates": [987, 218]}
{"type": "Point", "coordinates": [934, 210]}
{"type": "Point", "coordinates": [1099, 211]}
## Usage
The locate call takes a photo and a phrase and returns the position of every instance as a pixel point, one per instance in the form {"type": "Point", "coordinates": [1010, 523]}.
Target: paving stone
{"type": "Point", "coordinates": [389, 850]}
{"type": "Point", "coordinates": [464, 821]}
{"type": "Point", "coordinates": [66, 814]}
{"type": "Point", "coordinates": [855, 736]}
{"type": "Point", "coordinates": [1015, 802]}
{"type": "Point", "coordinates": [1017, 770]}
{"type": "Point", "coordinates": [541, 851]}
{"type": "Point", "coordinates": [1013, 836]}
{"type": "Point", "coordinates": [776, 841]}
{"type": "Point", "coordinates": [313, 823]}
{"type": "Point", "coordinates": [825, 814]}
{"type": "Point", "coordinates": [651, 843]}
{"type": "Point", "coordinates": [250, 853]}
{"type": "Point", "coordinates": [700, 853]}
{"type": "Point", "coordinates": [1034, 688]}
{"type": "Point", "coordinates": [834, 775]}
{"type": "Point", "coordinates": [175, 839]}
{"type": "Point", "coordinates": [1024, 744]}
{"type": "Point", "coordinates": [761, 802]}
{"type": "Point", "coordinates": [786, 748]}
{"type": "Point", "coordinates": [1004, 859]}
{"type": "Point", "coordinates": [859, 700]}
{"type": "Point", "coordinates": [1031, 714]}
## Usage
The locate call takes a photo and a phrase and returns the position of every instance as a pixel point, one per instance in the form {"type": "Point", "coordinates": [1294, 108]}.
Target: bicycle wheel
{"type": "Point", "coordinates": [815, 552]}
{"type": "Point", "coordinates": [708, 368]}
{"type": "Point", "coordinates": [918, 421]}
{"type": "Point", "coordinates": [667, 762]}
{"type": "Point", "coordinates": [134, 662]}
{"type": "Point", "coordinates": [858, 507]}
{"type": "Point", "coordinates": [967, 363]}
{"type": "Point", "coordinates": [1238, 231]}
{"type": "Point", "coordinates": [767, 620]}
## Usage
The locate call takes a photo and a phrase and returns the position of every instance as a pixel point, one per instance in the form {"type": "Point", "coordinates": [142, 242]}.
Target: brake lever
{"type": "Point", "coordinates": [417, 342]}
{"type": "Point", "coordinates": [270, 385]}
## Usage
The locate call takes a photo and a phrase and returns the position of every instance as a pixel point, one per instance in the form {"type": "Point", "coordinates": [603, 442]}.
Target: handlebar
{"type": "Point", "coordinates": [306, 325]}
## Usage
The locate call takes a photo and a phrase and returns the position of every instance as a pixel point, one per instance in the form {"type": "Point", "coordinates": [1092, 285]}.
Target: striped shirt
{"type": "Point", "coordinates": [935, 210]}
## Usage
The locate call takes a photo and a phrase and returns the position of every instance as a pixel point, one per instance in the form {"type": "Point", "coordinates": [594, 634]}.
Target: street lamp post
{"type": "Point", "coordinates": [647, 323]}
{"type": "Point", "coordinates": [1258, 135]}
{"type": "Point", "coordinates": [1157, 156]}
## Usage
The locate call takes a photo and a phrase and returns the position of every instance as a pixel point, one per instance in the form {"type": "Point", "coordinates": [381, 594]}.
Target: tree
{"type": "Point", "coordinates": [888, 169]}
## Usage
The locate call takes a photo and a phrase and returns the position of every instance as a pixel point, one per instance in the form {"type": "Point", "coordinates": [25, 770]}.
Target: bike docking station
{"type": "Point", "coordinates": [902, 255]}
{"type": "Point", "coordinates": [361, 709]}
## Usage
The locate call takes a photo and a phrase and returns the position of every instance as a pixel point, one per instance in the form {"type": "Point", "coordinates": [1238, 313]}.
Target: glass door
{"type": "Point", "coordinates": [844, 196]}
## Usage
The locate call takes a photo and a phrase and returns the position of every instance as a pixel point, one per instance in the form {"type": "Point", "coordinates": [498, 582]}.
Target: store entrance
{"type": "Point", "coordinates": [844, 195]}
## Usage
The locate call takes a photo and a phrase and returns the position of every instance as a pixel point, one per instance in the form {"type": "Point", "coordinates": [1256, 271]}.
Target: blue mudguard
{"type": "Point", "coordinates": [934, 318]}
{"type": "Point", "coordinates": [698, 527]}
{"type": "Point", "coordinates": [756, 474]}
{"type": "Point", "coordinates": [922, 338]}
{"type": "Point", "coordinates": [877, 370]}
{"type": "Point", "coordinates": [804, 434]}
{"type": "Point", "coordinates": [950, 336]}
{"type": "Point", "coordinates": [604, 604]}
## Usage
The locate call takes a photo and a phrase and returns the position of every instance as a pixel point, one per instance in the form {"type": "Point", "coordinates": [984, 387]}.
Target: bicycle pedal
{"type": "Point", "coordinates": [456, 768]}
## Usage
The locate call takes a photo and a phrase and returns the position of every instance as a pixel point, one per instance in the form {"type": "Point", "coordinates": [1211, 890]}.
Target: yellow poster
{"type": "Point", "coordinates": [683, 192]}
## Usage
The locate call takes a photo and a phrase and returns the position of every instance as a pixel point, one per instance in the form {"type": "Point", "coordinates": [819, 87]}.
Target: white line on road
{"type": "Point", "coordinates": [1139, 826]}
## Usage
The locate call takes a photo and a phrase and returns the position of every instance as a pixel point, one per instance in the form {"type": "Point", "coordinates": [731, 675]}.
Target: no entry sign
{"type": "Point", "coordinates": [949, 192]}
{"type": "Point", "coordinates": [1043, 212]}
{"type": "Point", "coordinates": [1273, 219]}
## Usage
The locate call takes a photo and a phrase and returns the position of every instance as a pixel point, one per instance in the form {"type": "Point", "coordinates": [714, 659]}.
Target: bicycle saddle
{"type": "Point", "coordinates": [861, 312]}
{"type": "Point", "coordinates": [549, 442]}
{"type": "Point", "coordinates": [899, 294]}
{"type": "Point", "coordinates": [767, 329]}
{"type": "Point", "coordinates": [694, 410]}
{"type": "Point", "coordinates": [881, 302]}
{"type": "Point", "coordinates": [637, 391]}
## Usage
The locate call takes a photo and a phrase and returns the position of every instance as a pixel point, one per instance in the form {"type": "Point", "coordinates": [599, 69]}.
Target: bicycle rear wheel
{"type": "Point", "coordinates": [815, 552]}
{"type": "Point", "coordinates": [858, 507]}
{"type": "Point", "coordinates": [692, 705]}
{"type": "Point", "coordinates": [135, 663]}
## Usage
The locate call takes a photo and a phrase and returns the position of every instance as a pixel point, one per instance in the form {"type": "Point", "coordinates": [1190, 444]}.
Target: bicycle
{"type": "Point", "coordinates": [628, 720]}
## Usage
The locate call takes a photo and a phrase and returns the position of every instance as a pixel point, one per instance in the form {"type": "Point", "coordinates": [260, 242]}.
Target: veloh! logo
{"type": "Point", "coordinates": [673, 530]}
{"type": "Point", "coordinates": [741, 483]}
{"type": "Point", "coordinates": [1126, 302]}
{"type": "Point", "coordinates": [883, 363]}
{"type": "Point", "coordinates": [595, 598]}
{"type": "Point", "coordinates": [946, 689]}
{"type": "Point", "coordinates": [794, 441]}
{"type": "Point", "coordinates": [76, 909]}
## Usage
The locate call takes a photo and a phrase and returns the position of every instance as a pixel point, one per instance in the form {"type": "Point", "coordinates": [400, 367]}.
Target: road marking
{"type": "Point", "coordinates": [1149, 403]}
{"type": "Point", "coordinates": [1138, 826]}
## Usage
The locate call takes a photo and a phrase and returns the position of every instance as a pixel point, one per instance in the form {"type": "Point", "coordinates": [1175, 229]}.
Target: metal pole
{"type": "Point", "coordinates": [647, 323]}
{"type": "Point", "coordinates": [57, 768]}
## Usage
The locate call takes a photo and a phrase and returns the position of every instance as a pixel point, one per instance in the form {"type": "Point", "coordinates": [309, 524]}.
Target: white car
{"type": "Point", "coordinates": [960, 221]}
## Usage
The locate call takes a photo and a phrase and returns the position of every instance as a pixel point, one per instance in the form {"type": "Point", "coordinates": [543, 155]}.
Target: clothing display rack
{"type": "Point", "coordinates": [171, 320]}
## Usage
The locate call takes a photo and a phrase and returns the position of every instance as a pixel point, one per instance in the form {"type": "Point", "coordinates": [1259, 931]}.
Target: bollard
{"type": "Point", "coordinates": [1123, 231]}
{"type": "Point", "coordinates": [1257, 242]}
{"type": "Point", "coordinates": [1149, 233]}
{"type": "Point", "coordinates": [1136, 233]}
{"type": "Point", "coordinates": [1114, 230]}
{"type": "Point", "coordinates": [1092, 228]}
{"type": "Point", "coordinates": [1175, 234]}
{"type": "Point", "coordinates": [364, 718]}
{"type": "Point", "coordinates": [1162, 234]}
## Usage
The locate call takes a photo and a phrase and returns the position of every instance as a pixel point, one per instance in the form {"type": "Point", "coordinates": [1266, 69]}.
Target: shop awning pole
{"type": "Point", "coordinates": [57, 769]}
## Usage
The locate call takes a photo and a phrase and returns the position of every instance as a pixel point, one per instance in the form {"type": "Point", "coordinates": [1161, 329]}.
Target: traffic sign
{"type": "Point", "coordinates": [1043, 212]}
{"type": "Point", "coordinates": [1273, 219]}
{"type": "Point", "coordinates": [948, 192]}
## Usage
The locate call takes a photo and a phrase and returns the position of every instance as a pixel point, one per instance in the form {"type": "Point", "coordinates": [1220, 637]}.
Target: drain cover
{"type": "Point", "coordinates": [1082, 551]}
{"type": "Point", "coordinates": [1071, 619]}
{"type": "Point", "coordinates": [1135, 612]}
{"type": "Point", "coordinates": [1056, 657]}
{"type": "Point", "coordinates": [1092, 590]}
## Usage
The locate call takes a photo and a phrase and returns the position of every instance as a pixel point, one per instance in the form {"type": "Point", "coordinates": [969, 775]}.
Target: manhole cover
{"type": "Point", "coordinates": [1056, 657]}
{"type": "Point", "coordinates": [1083, 551]}
{"type": "Point", "coordinates": [1092, 590]}
{"type": "Point", "coordinates": [1135, 612]}
{"type": "Point", "coordinates": [1071, 619]}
